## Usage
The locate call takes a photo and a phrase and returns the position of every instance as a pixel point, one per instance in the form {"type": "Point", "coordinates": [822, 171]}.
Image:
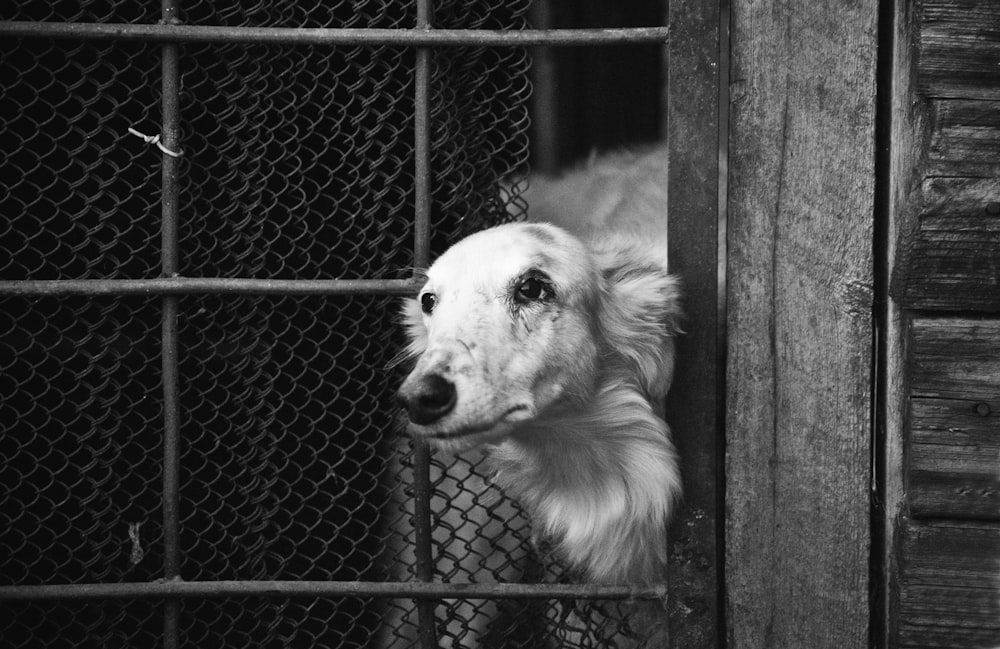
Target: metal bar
{"type": "Point", "coordinates": [423, 550]}
{"type": "Point", "coordinates": [171, 452]}
{"type": "Point", "coordinates": [419, 37]}
{"type": "Point", "coordinates": [170, 267]}
{"type": "Point", "coordinates": [413, 589]}
{"type": "Point", "coordinates": [171, 468]}
{"type": "Point", "coordinates": [209, 286]}
{"type": "Point", "coordinates": [422, 158]}
{"type": "Point", "coordinates": [544, 96]}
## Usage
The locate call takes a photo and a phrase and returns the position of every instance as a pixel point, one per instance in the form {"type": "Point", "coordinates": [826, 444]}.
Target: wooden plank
{"type": "Point", "coordinates": [959, 49]}
{"type": "Point", "coordinates": [951, 259]}
{"type": "Point", "coordinates": [946, 200]}
{"type": "Point", "coordinates": [949, 589]}
{"type": "Point", "coordinates": [800, 274]}
{"type": "Point", "coordinates": [953, 469]}
{"type": "Point", "coordinates": [899, 212]}
{"type": "Point", "coordinates": [691, 126]}
{"type": "Point", "coordinates": [955, 268]}
{"type": "Point", "coordinates": [965, 138]}
{"type": "Point", "coordinates": [954, 358]}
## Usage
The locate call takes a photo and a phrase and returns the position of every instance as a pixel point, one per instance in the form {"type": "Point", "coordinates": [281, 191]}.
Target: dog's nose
{"type": "Point", "coordinates": [428, 398]}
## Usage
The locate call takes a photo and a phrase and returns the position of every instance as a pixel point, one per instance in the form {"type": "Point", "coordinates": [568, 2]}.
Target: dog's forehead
{"type": "Point", "coordinates": [506, 250]}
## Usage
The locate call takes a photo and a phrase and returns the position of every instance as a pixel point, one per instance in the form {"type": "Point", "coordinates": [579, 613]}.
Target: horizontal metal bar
{"type": "Point", "coordinates": [406, 589]}
{"type": "Point", "coordinates": [209, 285]}
{"type": "Point", "coordinates": [421, 37]}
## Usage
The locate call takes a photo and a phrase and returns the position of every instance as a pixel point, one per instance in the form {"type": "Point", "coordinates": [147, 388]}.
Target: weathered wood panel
{"type": "Point", "coordinates": [954, 460]}
{"type": "Point", "coordinates": [904, 146]}
{"type": "Point", "coordinates": [799, 322]}
{"type": "Point", "coordinates": [950, 259]}
{"type": "Point", "coordinates": [954, 358]}
{"type": "Point", "coordinates": [944, 575]}
{"type": "Point", "coordinates": [952, 266]}
{"type": "Point", "coordinates": [953, 469]}
{"type": "Point", "coordinates": [947, 201]}
{"type": "Point", "coordinates": [691, 121]}
{"type": "Point", "coordinates": [949, 587]}
{"type": "Point", "coordinates": [959, 49]}
{"type": "Point", "coordinates": [965, 139]}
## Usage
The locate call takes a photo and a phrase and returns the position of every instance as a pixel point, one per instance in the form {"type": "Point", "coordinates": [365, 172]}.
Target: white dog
{"type": "Point", "coordinates": [550, 344]}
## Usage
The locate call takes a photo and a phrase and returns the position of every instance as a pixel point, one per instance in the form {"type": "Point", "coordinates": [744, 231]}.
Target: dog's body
{"type": "Point", "coordinates": [622, 194]}
{"type": "Point", "coordinates": [547, 352]}
{"type": "Point", "coordinates": [551, 350]}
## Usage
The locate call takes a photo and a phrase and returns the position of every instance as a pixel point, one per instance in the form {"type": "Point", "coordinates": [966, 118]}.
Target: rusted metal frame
{"type": "Point", "coordinates": [414, 589]}
{"type": "Point", "coordinates": [423, 541]}
{"type": "Point", "coordinates": [170, 267]}
{"type": "Point", "coordinates": [208, 286]}
{"type": "Point", "coordinates": [422, 36]}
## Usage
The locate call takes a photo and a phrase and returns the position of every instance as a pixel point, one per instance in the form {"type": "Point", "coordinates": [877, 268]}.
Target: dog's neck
{"type": "Point", "coordinates": [599, 479]}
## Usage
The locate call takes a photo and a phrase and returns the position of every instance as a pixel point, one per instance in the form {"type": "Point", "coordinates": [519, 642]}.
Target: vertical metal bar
{"type": "Point", "coordinates": [421, 148]}
{"type": "Point", "coordinates": [426, 628]}
{"type": "Point", "coordinates": [170, 135]}
{"type": "Point", "coordinates": [544, 98]}
{"type": "Point", "coordinates": [695, 405]}
{"type": "Point", "coordinates": [722, 334]}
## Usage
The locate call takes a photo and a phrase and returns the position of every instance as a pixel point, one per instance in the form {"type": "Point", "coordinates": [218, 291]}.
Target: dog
{"type": "Point", "coordinates": [548, 345]}
{"type": "Point", "coordinates": [551, 344]}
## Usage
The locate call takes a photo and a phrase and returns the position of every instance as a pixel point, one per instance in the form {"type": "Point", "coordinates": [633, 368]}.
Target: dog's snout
{"type": "Point", "coordinates": [428, 399]}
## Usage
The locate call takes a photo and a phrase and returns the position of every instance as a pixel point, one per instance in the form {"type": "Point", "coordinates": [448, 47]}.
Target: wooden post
{"type": "Point", "coordinates": [943, 529]}
{"type": "Point", "coordinates": [692, 112]}
{"type": "Point", "coordinates": [800, 273]}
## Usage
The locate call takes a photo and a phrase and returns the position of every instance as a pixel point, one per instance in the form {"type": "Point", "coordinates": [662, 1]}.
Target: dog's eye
{"type": "Point", "coordinates": [530, 289]}
{"type": "Point", "coordinates": [427, 302]}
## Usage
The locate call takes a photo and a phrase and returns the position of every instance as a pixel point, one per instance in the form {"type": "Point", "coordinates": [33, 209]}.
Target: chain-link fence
{"type": "Point", "coordinates": [197, 440]}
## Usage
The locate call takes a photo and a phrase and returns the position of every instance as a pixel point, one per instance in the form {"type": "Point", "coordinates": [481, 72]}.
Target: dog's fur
{"type": "Point", "coordinates": [551, 346]}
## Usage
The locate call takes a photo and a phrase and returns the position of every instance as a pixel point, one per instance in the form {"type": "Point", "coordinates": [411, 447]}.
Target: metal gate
{"type": "Point", "coordinates": [207, 213]}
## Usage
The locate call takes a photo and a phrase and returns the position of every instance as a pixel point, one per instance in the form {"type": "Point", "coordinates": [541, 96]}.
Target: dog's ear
{"type": "Point", "coordinates": [640, 315]}
{"type": "Point", "coordinates": [416, 333]}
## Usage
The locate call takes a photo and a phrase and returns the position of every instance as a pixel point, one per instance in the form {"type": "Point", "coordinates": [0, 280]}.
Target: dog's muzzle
{"type": "Point", "coordinates": [427, 398]}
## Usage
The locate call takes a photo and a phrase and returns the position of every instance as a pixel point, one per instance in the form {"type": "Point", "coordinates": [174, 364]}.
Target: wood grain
{"type": "Point", "coordinates": [954, 460]}
{"type": "Point", "coordinates": [692, 129]}
{"type": "Point", "coordinates": [954, 358]}
{"type": "Point", "coordinates": [965, 138]}
{"type": "Point", "coordinates": [949, 591]}
{"type": "Point", "coordinates": [943, 573]}
{"type": "Point", "coordinates": [799, 320]}
{"type": "Point", "coordinates": [959, 49]}
{"type": "Point", "coordinates": [899, 212]}
{"type": "Point", "coordinates": [969, 201]}
{"type": "Point", "coordinates": [953, 467]}
{"type": "Point", "coordinates": [953, 269]}
{"type": "Point", "coordinates": [951, 258]}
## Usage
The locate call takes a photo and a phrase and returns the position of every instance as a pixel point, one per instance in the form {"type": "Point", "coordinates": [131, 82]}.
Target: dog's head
{"type": "Point", "coordinates": [512, 321]}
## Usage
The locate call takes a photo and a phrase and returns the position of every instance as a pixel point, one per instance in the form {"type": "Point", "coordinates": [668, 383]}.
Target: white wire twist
{"type": "Point", "coordinates": [155, 139]}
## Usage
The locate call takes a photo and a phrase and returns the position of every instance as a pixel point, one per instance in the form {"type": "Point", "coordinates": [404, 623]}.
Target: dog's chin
{"type": "Point", "coordinates": [455, 436]}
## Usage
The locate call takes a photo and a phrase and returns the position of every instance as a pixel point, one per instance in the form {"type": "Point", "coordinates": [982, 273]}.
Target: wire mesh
{"type": "Point", "coordinates": [297, 164]}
